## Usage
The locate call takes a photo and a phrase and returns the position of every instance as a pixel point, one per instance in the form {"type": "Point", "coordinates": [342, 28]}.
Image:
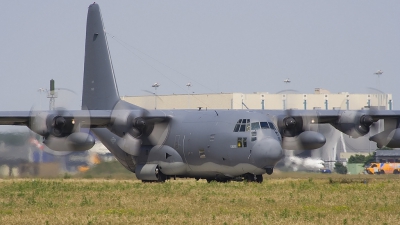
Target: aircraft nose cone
{"type": "Point", "coordinates": [267, 152]}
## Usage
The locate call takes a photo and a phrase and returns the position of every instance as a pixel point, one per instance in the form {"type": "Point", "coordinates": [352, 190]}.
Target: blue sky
{"type": "Point", "coordinates": [218, 46]}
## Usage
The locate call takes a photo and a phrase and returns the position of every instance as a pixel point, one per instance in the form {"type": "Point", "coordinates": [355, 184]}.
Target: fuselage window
{"type": "Point", "coordinates": [202, 153]}
{"type": "Point", "coordinates": [239, 142]}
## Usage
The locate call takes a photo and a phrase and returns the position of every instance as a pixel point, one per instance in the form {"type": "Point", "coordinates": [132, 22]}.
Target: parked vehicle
{"type": "Point", "coordinates": [383, 168]}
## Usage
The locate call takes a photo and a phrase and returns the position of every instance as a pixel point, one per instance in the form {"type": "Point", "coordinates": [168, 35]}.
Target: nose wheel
{"type": "Point", "coordinates": [269, 170]}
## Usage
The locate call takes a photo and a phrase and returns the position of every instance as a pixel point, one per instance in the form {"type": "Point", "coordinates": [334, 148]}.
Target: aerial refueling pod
{"type": "Point", "coordinates": [388, 138]}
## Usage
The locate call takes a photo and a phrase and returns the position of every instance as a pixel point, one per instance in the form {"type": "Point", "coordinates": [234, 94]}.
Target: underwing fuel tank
{"type": "Point", "coordinates": [307, 140]}
{"type": "Point", "coordinates": [388, 138]}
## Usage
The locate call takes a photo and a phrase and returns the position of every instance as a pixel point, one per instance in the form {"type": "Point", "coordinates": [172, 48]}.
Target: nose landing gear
{"type": "Point", "coordinates": [269, 170]}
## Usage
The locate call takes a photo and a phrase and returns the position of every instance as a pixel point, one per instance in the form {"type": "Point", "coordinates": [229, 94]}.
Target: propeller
{"type": "Point", "coordinates": [130, 123]}
{"type": "Point", "coordinates": [58, 127]}
{"type": "Point", "coordinates": [291, 125]}
{"type": "Point", "coordinates": [377, 133]}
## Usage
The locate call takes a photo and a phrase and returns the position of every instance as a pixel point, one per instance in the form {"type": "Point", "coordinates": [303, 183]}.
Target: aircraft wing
{"type": "Point", "coordinates": [355, 123]}
{"type": "Point", "coordinates": [96, 118]}
{"type": "Point", "coordinates": [332, 116]}
{"type": "Point", "coordinates": [86, 118]}
{"type": "Point", "coordinates": [14, 117]}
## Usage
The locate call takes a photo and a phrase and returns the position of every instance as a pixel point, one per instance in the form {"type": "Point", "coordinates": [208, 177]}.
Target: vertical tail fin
{"type": "Point", "coordinates": [99, 86]}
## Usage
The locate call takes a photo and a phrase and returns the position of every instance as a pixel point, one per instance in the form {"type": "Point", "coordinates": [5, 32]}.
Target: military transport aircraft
{"type": "Point", "coordinates": [156, 145]}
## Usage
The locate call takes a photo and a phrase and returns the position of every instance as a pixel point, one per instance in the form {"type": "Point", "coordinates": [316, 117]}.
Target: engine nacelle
{"type": "Point", "coordinates": [290, 126]}
{"type": "Point", "coordinates": [307, 140]}
{"type": "Point", "coordinates": [129, 122]}
{"type": "Point", "coordinates": [57, 124]}
{"type": "Point", "coordinates": [38, 123]}
{"type": "Point", "coordinates": [388, 138]}
{"type": "Point", "coordinates": [354, 123]}
{"type": "Point", "coordinates": [78, 141]}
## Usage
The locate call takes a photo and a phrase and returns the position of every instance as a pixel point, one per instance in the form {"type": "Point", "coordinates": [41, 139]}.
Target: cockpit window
{"type": "Point", "coordinates": [255, 126]}
{"type": "Point", "coordinates": [271, 125]}
{"type": "Point", "coordinates": [242, 125]}
{"type": "Point", "coordinates": [264, 125]}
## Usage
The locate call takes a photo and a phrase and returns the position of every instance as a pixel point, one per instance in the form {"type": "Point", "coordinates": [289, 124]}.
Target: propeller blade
{"type": "Point", "coordinates": [130, 145]}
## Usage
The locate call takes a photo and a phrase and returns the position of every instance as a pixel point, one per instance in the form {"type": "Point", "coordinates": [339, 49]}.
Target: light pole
{"type": "Point", "coordinates": [155, 86]}
{"type": "Point", "coordinates": [188, 85]}
{"type": "Point", "coordinates": [285, 101]}
{"type": "Point", "coordinates": [379, 73]}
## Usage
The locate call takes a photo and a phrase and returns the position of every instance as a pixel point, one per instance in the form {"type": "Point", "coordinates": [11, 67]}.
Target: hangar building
{"type": "Point", "coordinates": [320, 99]}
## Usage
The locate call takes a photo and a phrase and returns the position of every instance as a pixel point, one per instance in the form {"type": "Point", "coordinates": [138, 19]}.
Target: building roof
{"type": "Point", "coordinates": [388, 153]}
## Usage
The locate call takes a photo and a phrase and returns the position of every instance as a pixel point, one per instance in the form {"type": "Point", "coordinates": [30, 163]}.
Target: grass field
{"type": "Point", "coordinates": [294, 198]}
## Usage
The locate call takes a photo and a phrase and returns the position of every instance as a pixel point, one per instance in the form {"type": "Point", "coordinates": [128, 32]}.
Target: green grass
{"type": "Point", "coordinates": [107, 170]}
{"type": "Point", "coordinates": [313, 199]}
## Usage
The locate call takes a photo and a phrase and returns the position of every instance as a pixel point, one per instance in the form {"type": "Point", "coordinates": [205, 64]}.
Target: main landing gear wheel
{"type": "Point", "coordinates": [160, 176]}
{"type": "Point", "coordinates": [259, 178]}
{"type": "Point", "coordinates": [253, 178]}
{"type": "Point", "coordinates": [249, 177]}
{"type": "Point", "coordinates": [269, 170]}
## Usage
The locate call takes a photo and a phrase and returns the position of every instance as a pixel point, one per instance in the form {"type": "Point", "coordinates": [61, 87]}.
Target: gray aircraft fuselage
{"type": "Point", "coordinates": [205, 144]}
